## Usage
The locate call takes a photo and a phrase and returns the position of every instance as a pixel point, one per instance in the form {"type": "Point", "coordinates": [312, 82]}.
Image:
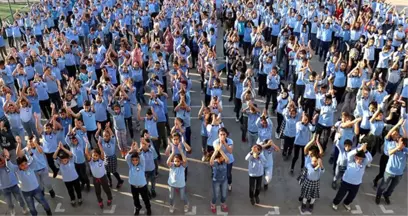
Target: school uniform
{"type": "Point", "coordinates": [341, 162]}
{"type": "Point", "coordinates": [150, 156]}
{"type": "Point", "coordinates": [99, 179]}
{"type": "Point", "coordinates": [252, 127]}
{"type": "Point", "coordinates": [230, 156]}
{"type": "Point", "coordinates": [272, 83]}
{"type": "Point", "coordinates": [9, 187]}
{"type": "Point", "coordinates": [49, 146]}
{"type": "Point", "coordinates": [219, 182]}
{"type": "Point", "coordinates": [70, 178]}
{"type": "Point", "coordinates": [326, 121]}
{"type": "Point", "coordinates": [268, 166]}
{"type": "Point", "coordinates": [289, 132]}
{"type": "Point", "coordinates": [303, 135]}
{"type": "Point", "coordinates": [177, 181]}
{"type": "Point", "coordinates": [310, 187]}
{"type": "Point", "coordinates": [256, 172]}
{"type": "Point", "coordinates": [137, 181]}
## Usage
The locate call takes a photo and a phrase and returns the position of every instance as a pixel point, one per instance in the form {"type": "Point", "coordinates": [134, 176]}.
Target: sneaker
{"type": "Point", "coordinates": [377, 199]}
{"type": "Point", "coordinates": [73, 203]}
{"type": "Point", "coordinates": [230, 187]}
{"type": "Point", "coordinates": [109, 202]}
{"type": "Point", "coordinates": [291, 172]}
{"type": "Point", "coordinates": [185, 208]}
{"type": "Point", "coordinates": [137, 211]}
{"type": "Point", "coordinates": [265, 187]}
{"type": "Point", "coordinates": [48, 212]}
{"type": "Point", "coordinates": [12, 212]}
{"type": "Point", "coordinates": [213, 209]}
{"type": "Point", "coordinates": [334, 207]}
{"type": "Point", "coordinates": [120, 183]}
{"type": "Point", "coordinates": [149, 211]}
{"type": "Point", "coordinates": [252, 201]}
{"type": "Point", "coordinates": [236, 119]}
{"type": "Point", "coordinates": [100, 204]}
{"type": "Point", "coordinates": [347, 207]}
{"type": "Point", "coordinates": [303, 208]}
{"type": "Point", "coordinates": [171, 209]}
{"type": "Point", "coordinates": [374, 184]}
{"type": "Point", "coordinates": [79, 202]}
{"type": "Point", "coordinates": [203, 158]}
{"type": "Point", "coordinates": [224, 207]}
{"type": "Point", "coordinates": [387, 199]}
{"type": "Point", "coordinates": [52, 193]}
{"type": "Point", "coordinates": [334, 185]}
{"type": "Point", "coordinates": [369, 165]}
{"type": "Point", "coordinates": [153, 192]}
{"type": "Point", "coordinates": [311, 208]}
{"type": "Point", "coordinates": [257, 201]}
{"type": "Point", "coordinates": [276, 135]}
{"type": "Point", "coordinates": [25, 210]}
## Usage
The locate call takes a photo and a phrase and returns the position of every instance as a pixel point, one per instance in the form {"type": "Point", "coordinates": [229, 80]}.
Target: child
{"type": "Point", "coordinates": [119, 125]}
{"type": "Point", "coordinates": [177, 164]}
{"type": "Point", "coordinates": [178, 140]}
{"type": "Point", "coordinates": [65, 161]}
{"type": "Point", "coordinates": [150, 156]}
{"type": "Point", "coordinates": [310, 187]}
{"type": "Point", "coordinates": [204, 116]}
{"type": "Point", "coordinates": [252, 115]}
{"type": "Point", "coordinates": [137, 179]}
{"type": "Point", "coordinates": [108, 144]}
{"type": "Point", "coordinates": [341, 164]}
{"type": "Point", "coordinates": [29, 185]}
{"type": "Point", "coordinates": [218, 162]}
{"type": "Point", "coordinates": [98, 171]}
{"type": "Point", "coordinates": [77, 147]}
{"type": "Point", "coordinates": [268, 147]}
{"type": "Point", "coordinates": [9, 186]}
{"type": "Point", "coordinates": [256, 162]}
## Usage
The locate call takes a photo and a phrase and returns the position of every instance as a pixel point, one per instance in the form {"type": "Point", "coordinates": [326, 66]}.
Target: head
{"type": "Point", "coordinates": [359, 157]}
{"type": "Point", "coordinates": [177, 160]}
{"type": "Point", "coordinates": [96, 154]}
{"type": "Point", "coordinates": [348, 145]}
{"type": "Point", "coordinates": [176, 138]}
{"type": "Point", "coordinates": [314, 160]}
{"type": "Point", "coordinates": [345, 117]}
{"type": "Point", "coordinates": [48, 128]}
{"type": "Point", "coordinates": [22, 163]}
{"type": "Point", "coordinates": [222, 133]}
{"type": "Point", "coordinates": [134, 158]}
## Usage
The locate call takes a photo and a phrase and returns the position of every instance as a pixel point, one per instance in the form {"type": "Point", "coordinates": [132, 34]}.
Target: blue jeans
{"type": "Point", "coordinates": [388, 180]}
{"type": "Point", "coordinates": [15, 190]}
{"type": "Point", "coordinates": [219, 187]}
{"type": "Point", "coordinates": [29, 197]}
{"type": "Point", "coordinates": [229, 172]}
{"type": "Point", "coordinates": [183, 195]}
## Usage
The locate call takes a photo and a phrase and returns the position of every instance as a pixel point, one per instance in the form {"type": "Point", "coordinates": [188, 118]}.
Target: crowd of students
{"type": "Point", "coordinates": [76, 74]}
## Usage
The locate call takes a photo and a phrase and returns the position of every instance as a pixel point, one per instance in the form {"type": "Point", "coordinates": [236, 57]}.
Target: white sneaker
{"type": "Point", "coordinates": [230, 187]}
{"type": "Point", "coordinates": [203, 158]}
{"type": "Point", "coordinates": [25, 211]}
{"type": "Point", "coordinates": [334, 207]}
{"type": "Point", "coordinates": [236, 119]}
{"type": "Point", "coordinates": [171, 209]}
{"type": "Point", "coordinates": [185, 208]}
{"type": "Point", "coordinates": [369, 164]}
{"type": "Point", "coordinates": [13, 212]}
{"type": "Point", "coordinates": [276, 135]}
{"type": "Point", "coordinates": [347, 207]}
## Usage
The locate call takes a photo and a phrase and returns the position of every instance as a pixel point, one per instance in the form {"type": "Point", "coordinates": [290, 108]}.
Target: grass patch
{"type": "Point", "coordinates": [5, 10]}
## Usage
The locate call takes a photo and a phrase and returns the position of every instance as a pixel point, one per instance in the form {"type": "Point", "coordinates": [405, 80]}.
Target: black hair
{"type": "Point", "coordinates": [348, 142]}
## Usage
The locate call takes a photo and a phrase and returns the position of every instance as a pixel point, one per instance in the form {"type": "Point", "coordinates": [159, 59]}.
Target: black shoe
{"type": "Point", "coordinates": [377, 200]}
{"type": "Point", "coordinates": [230, 99]}
{"type": "Point", "coordinates": [311, 207]}
{"type": "Point", "coordinates": [79, 202]}
{"type": "Point", "coordinates": [49, 212]}
{"type": "Point", "coordinates": [120, 183]}
{"type": "Point", "coordinates": [374, 184]}
{"type": "Point", "coordinates": [153, 192]}
{"type": "Point", "coordinates": [334, 185]}
{"type": "Point", "coordinates": [331, 160]}
{"type": "Point", "coordinates": [137, 211]}
{"type": "Point", "coordinates": [265, 187]}
{"type": "Point", "coordinates": [387, 199]}
{"type": "Point", "coordinates": [149, 211]}
{"type": "Point", "coordinates": [52, 193]}
{"type": "Point", "coordinates": [73, 203]}
{"type": "Point", "coordinates": [257, 201]}
{"type": "Point", "coordinates": [110, 184]}
{"type": "Point", "coordinates": [252, 201]}
{"type": "Point", "coordinates": [300, 199]}
{"type": "Point", "coordinates": [42, 192]}
{"type": "Point", "coordinates": [303, 208]}
{"type": "Point", "coordinates": [55, 173]}
{"type": "Point", "coordinates": [291, 172]}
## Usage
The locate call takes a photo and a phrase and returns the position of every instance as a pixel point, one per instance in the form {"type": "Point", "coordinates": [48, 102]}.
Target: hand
{"type": "Point", "coordinates": [60, 146]}
{"type": "Point", "coordinates": [18, 140]}
{"type": "Point", "coordinates": [6, 153]}
{"type": "Point", "coordinates": [139, 107]}
{"type": "Point", "coordinates": [99, 126]}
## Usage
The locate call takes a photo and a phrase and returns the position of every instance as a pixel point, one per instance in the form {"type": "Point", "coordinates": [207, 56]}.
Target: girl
{"type": "Point", "coordinates": [310, 187]}
{"type": "Point", "coordinates": [291, 116]}
{"type": "Point", "coordinates": [65, 161]}
{"type": "Point", "coordinates": [107, 141]}
{"type": "Point", "coordinates": [268, 147]}
{"type": "Point", "coordinates": [177, 164]}
{"type": "Point", "coordinates": [256, 162]}
{"type": "Point", "coordinates": [137, 180]}
{"type": "Point", "coordinates": [95, 160]}
{"type": "Point", "coordinates": [219, 161]}
{"type": "Point", "coordinates": [118, 114]}
{"type": "Point", "coordinates": [77, 147]}
{"type": "Point", "coordinates": [205, 117]}
{"type": "Point", "coordinates": [12, 113]}
{"type": "Point", "coordinates": [227, 146]}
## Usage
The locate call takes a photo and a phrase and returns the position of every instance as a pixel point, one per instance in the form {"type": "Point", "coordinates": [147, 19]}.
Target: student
{"type": "Point", "coordinates": [95, 160]}
{"type": "Point", "coordinates": [9, 186]}
{"type": "Point", "coordinates": [77, 148]}
{"type": "Point", "coordinates": [29, 186]}
{"type": "Point", "coordinates": [204, 116]}
{"type": "Point", "coordinates": [252, 115]}
{"type": "Point", "coordinates": [326, 118]}
{"type": "Point", "coordinates": [291, 115]}
{"type": "Point", "coordinates": [219, 161]}
{"type": "Point", "coordinates": [65, 160]}
{"type": "Point", "coordinates": [341, 163]}
{"type": "Point", "coordinates": [150, 124]}
{"type": "Point", "coordinates": [228, 147]}
{"type": "Point", "coordinates": [256, 162]}
{"type": "Point", "coordinates": [107, 141]}
{"type": "Point", "coordinates": [353, 176]}
{"type": "Point", "coordinates": [273, 82]}
{"type": "Point", "coordinates": [177, 164]}
{"type": "Point", "coordinates": [268, 148]}
{"type": "Point", "coordinates": [394, 170]}
{"type": "Point", "coordinates": [176, 140]}
{"type": "Point", "coordinates": [137, 179]}
{"type": "Point", "coordinates": [310, 187]}
{"type": "Point", "coordinates": [118, 113]}
{"type": "Point", "coordinates": [150, 158]}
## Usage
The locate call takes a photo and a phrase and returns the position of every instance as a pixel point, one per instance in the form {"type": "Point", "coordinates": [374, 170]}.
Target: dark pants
{"type": "Point", "coordinates": [91, 135]}
{"type": "Point", "coordinates": [383, 163]}
{"type": "Point", "coordinates": [129, 125]}
{"type": "Point", "coordinates": [254, 186]}
{"type": "Point", "coordinates": [102, 182]}
{"type": "Point", "coordinates": [237, 107]}
{"type": "Point", "coordinates": [143, 193]}
{"type": "Point", "coordinates": [161, 129]}
{"type": "Point", "coordinates": [349, 101]}
{"type": "Point", "coordinates": [339, 92]}
{"type": "Point", "coordinates": [279, 119]}
{"type": "Point", "coordinates": [262, 85]}
{"type": "Point", "coordinates": [296, 156]}
{"type": "Point", "coordinates": [74, 186]}
{"type": "Point", "coordinates": [388, 182]}
{"type": "Point", "coordinates": [81, 170]}
{"type": "Point", "coordinates": [346, 189]}
{"type": "Point", "coordinates": [229, 172]}
{"type": "Point", "coordinates": [51, 163]}
{"type": "Point", "coordinates": [45, 106]}
{"type": "Point", "coordinates": [288, 145]}
{"type": "Point", "coordinates": [56, 99]}
{"type": "Point", "coordinates": [324, 134]}
{"type": "Point", "coordinates": [71, 71]}
{"type": "Point", "coordinates": [324, 49]}
{"type": "Point", "coordinates": [309, 106]}
{"type": "Point", "coordinates": [271, 93]}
